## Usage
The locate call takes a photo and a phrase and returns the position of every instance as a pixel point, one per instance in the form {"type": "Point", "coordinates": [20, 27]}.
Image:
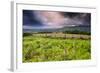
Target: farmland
{"type": "Point", "coordinates": [56, 47]}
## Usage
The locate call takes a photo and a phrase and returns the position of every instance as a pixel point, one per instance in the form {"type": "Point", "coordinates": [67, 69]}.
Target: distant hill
{"type": "Point", "coordinates": [81, 28]}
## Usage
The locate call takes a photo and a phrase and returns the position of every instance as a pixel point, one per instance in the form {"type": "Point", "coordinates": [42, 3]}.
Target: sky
{"type": "Point", "coordinates": [33, 19]}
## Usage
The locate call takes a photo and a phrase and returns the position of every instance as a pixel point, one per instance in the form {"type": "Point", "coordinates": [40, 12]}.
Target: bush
{"type": "Point", "coordinates": [27, 34]}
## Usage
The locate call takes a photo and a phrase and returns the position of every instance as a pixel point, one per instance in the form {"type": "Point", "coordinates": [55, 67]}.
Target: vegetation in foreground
{"type": "Point", "coordinates": [41, 49]}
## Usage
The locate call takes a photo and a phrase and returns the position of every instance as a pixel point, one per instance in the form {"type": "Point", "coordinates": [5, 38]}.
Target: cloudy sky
{"type": "Point", "coordinates": [51, 19]}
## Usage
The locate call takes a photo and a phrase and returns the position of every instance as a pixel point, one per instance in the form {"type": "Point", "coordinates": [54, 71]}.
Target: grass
{"type": "Point", "coordinates": [41, 49]}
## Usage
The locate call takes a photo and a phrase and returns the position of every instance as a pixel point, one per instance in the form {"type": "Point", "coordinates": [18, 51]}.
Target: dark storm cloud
{"type": "Point", "coordinates": [84, 18]}
{"type": "Point", "coordinates": [29, 18]}
{"type": "Point", "coordinates": [35, 19]}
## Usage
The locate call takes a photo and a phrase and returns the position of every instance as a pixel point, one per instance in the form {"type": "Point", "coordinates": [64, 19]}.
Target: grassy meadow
{"type": "Point", "coordinates": [38, 48]}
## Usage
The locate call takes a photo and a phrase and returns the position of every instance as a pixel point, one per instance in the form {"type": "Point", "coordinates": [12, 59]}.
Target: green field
{"type": "Point", "coordinates": [41, 49]}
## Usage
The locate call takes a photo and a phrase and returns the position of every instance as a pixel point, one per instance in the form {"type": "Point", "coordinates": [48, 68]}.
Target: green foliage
{"type": "Point", "coordinates": [78, 32]}
{"type": "Point", "coordinates": [39, 49]}
{"type": "Point", "coordinates": [27, 34]}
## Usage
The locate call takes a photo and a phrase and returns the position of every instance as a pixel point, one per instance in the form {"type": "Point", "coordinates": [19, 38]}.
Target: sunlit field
{"type": "Point", "coordinates": [47, 48]}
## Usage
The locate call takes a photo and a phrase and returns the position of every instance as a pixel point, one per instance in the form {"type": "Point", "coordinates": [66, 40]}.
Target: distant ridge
{"type": "Point", "coordinates": [84, 28]}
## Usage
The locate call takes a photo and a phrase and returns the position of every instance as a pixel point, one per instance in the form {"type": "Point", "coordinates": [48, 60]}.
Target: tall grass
{"type": "Point", "coordinates": [39, 49]}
